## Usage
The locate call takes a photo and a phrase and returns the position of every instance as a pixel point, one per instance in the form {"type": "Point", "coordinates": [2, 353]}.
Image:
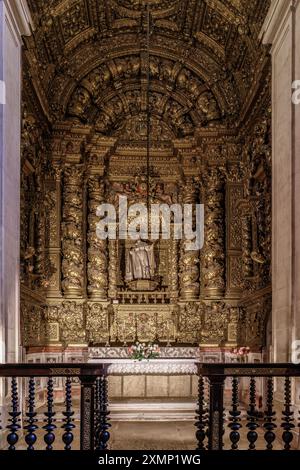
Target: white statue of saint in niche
{"type": "Point", "coordinates": [140, 261]}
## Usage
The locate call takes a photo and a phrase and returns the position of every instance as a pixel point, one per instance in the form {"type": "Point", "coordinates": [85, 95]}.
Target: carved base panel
{"type": "Point", "coordinates": [93, 322]}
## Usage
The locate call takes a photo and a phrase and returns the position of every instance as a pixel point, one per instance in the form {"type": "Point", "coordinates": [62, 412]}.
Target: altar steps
{"type": "Point", "coordinates": [152, 410]}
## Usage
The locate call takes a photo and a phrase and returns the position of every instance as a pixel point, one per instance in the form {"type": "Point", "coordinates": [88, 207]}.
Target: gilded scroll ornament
{"type": "Point", "coordinates": [173, 263]}
{"type": "Point", "coordinates": [215, 324]}
{"type": "Point", "coordinates": [190, 322]}
{"type": "Point", "coordinates": [32, 324]}
{"type": "Point", "coordinates": [247, 246]}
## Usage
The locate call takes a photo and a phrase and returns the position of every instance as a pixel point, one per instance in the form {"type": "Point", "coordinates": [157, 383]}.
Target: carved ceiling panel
{"type": "Point", "coordinates": [155, 5]}
{"type": "Point", "coordinates": [113, 91]}
{"type": "Point", "coordinates": [87, 59]}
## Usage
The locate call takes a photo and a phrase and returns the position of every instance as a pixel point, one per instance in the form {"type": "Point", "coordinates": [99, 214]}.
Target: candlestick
{"type": "Point", "coordinates": [124, 332]}
{"type": "Point", "coordinates": [168, 334]}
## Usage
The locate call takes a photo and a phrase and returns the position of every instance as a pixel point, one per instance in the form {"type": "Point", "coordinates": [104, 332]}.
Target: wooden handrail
{"type": "Point", "coordinates": [94, 415]}
{"type": "Point", "coordinates": [249, 369]}
{"type": "Point", "coordinates": [212, 418]}
{"type": "Point", "coordinates": [99, 369]}
{"type": "Point", "coordinates": [54, 370]}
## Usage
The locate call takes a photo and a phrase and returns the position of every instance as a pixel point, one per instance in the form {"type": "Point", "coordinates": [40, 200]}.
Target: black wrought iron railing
{"type": "Point", "coordinates": [268, 423]}
{"type": "Point", "coordinates": [94, 414]}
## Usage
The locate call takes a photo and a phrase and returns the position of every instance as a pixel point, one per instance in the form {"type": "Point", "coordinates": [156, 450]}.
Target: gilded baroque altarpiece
{"type": "Point", "coordinates": [84, 143]}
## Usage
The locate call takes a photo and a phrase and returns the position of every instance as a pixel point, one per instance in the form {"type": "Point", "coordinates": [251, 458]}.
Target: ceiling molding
{"type": "Point", "coordinates": [20, 16]}
{"type": "Point", "coordinates": [275, 18]}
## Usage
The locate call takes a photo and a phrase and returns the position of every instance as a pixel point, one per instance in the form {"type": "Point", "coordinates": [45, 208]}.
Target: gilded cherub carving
{"type": "Point", "coordinates": [208, 107]}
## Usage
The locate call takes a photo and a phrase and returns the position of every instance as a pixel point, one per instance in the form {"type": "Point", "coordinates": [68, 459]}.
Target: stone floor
{"type": "Point", "coordinates": [149, 435]}
{"type": "Point", "coordinates": [153, 436]}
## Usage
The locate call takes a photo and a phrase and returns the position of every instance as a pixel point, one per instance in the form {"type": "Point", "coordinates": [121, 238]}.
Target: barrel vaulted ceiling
{"type": "Point", "coordinates": [87, 60]}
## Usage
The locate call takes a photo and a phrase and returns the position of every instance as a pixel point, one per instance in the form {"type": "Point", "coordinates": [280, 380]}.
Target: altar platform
{"type": "Point", "coordinates": [163, 388]}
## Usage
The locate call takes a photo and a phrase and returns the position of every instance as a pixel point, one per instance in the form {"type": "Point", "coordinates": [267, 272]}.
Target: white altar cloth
{"type": "Point", "coordinates": [168, 366]}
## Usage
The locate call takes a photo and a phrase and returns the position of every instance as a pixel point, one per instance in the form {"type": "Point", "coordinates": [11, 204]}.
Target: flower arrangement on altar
{"type": "Point", "coordinates": [241, 352]}
{"type": "Point", "coordinates": [142, 351]}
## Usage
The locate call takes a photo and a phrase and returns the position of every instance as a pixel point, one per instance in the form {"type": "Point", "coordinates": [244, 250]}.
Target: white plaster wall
{"type": "Point", "coordinates": [11, 190]}
{"type": "Point", "coordinates": [282, 191]}
{"type": "Point", "coordinates": [13, 23]}
{"type": "Point", "coordinates": [296, 137]}
{"type": "Point", "coordinates": [282, 30]}
{"type": "Point", "coordinates": [2, 329]}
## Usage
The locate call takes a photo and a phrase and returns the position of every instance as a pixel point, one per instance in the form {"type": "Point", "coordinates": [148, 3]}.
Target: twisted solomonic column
{"type": "Point", "coordinates": [97, 282]}
{"type": "Point", "coordinates": [72, 230]}
{"type": "Point", "coordinates": [189, 260]}
{"type": "Point", "coordinates": [213, 253]}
